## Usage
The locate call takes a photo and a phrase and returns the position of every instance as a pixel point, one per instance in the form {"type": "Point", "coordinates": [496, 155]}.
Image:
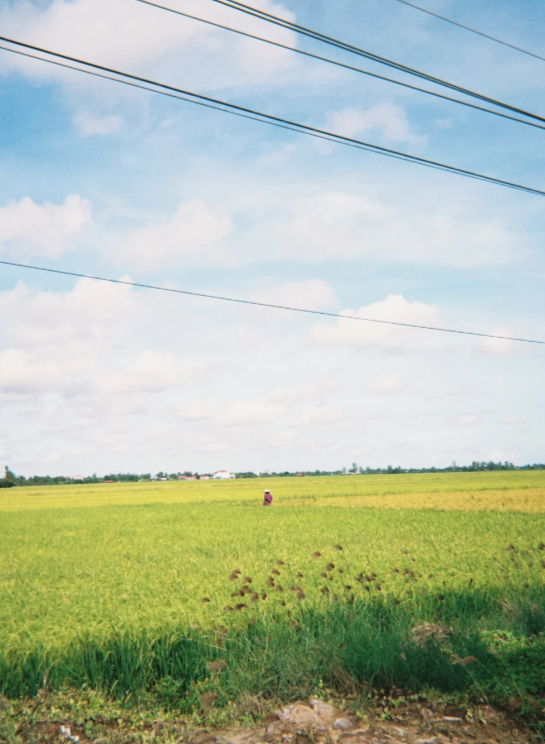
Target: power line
{"type": "Point", "coordinates": [318, 36]}
{"type": "Point", "coordinates": [254, 115]}
{"type": "Point", "coordinates": [473, 30]}
{"type": "Point", "coordinates": [269, 305]}
{"type": "Point", "coordinates": [339, 64]}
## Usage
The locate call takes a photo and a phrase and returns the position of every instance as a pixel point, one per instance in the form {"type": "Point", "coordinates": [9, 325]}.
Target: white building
{"type": "Point", "coordinates": [222, 475]}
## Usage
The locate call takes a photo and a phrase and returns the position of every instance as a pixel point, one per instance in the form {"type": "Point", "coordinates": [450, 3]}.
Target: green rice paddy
{"type": "Point", "coordinates": [128, 588]}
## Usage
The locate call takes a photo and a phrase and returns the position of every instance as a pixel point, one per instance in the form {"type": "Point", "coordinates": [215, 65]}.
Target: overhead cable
{"type": "Point", "coordinates": [340, 316]}
{"type": "Point", "coordinates": [473, 30]}
{"type": "Point", "coordinates": [255, 115]}
{"type": "Point", "coordinates": [341, 64]}
{"type": "Point", "coordinates": [318, 36]}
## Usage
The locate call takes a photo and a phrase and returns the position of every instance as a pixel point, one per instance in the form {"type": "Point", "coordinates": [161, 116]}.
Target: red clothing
{"type": "Point", "coordinates": [267, 501]}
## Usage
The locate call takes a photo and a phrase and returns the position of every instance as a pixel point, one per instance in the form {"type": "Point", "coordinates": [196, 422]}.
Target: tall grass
{"type": "Point", "coordinates": [369, 642]}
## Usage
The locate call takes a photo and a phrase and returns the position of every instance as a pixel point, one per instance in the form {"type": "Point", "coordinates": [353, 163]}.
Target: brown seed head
{"type": "Point", "coordinates": [247, 579]}
{"type": "Point", "coordinates": [216, 666]}
{"type": "Point", "coordinates": [338, 547]}
{"type": "Point", "coordinates": [282, 602]}
{"type": "Point", "coordinates": [347, 588]}
{"type": "Point", "coordinates": [325, 590]}
{"type": "Point", "coordinates": [300, 595]}
{"type": "Point", "coordinates": [300, 575]}
{"type": "Point", "coordinates": [254, 597]}
{"type": "Point", "coordinates": [241, 606]}
{"type": "Point", "coordinates": [205, 600]}
{"type": "Point", "coordinates": [279, 588]}
{"type": "Point", "coordinates": [340, 570]}
{"type": "Point", "coordinates": [330, 567]}
{"type": "Point", "coordinates": [245, 589]}
{"type": "Point", "coordinates": [263, 595]}
{"type": "Point", "coordinates": [228, 608]}
{"type": "Point", "coordinates": [317, 554]}
{"type": "Point", "coordinates": [276, 572]}
{"type": "Point", "coordinates": [270, 581]}
{"type": "Point", "coordinates": [280, 563]}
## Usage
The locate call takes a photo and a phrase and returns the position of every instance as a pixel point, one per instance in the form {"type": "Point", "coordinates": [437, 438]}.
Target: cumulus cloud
{"type": "Point", "coordinates": [386, 385]}
{"type": "Point", "coordinates": [269, 408]}
{"type": "Point", "coordinates": [346, 225]}
{"type": "Point", "coordinates": [313, 294]}
{"type": "Point", "coordinates": [465, 421]}
{"type": "Point", "coordinates": [359, 335]}
{"type": "Point", "coordinates": [193, 234]}
{"type": "Point", "coordinates": [89, 125]}
{"type": "Point", "coordinates": [57, 338]}
{"type": "Point", "coordinates": [498, 347]}
{"type": "Point", "coordinates": [151, 371]}
{"type": "Point", "coordinates": [23, 372]}
{"type": "Point", "coordinates": [388, 119]}
{"type": "Point", "coordinates": [317, 416]}
{"type": "Point", "coordinates": [153, 42]}
{"type": "Point", "coordinates": [30, 229]}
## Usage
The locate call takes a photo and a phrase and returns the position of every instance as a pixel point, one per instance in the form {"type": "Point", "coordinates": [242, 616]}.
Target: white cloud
{"type": "Point", "coordinates": [193, 234]}
{"type": "Point", "coordinates": [311, 295]}
{"type": "Point", "coordinates": [88, 125]}
{"type": "Point", "coordinates": [197, 410]}
{"type": "Point", "coordinates": [151, 371]}
{"type": "Point", "coordinates": [512, 421]}
{"type": "Point", "coordinates": [153, 43]}
{"type": "Point", "coordinates": [389, 119]}
{"type": "Point", "coordinates": [386, 385]}
{"type": "Point", "coordinates": [317, 416]}
{"type": "Point", "coordinates": [273, 406]}
{"type": "Point", "coordinates": [497, 347]}
{"type": "Point", "coordinates": [465, 421]}
{"type": "Point", "coordinates": [452, 231]}
{"type": "Point", "coordinates": [30, 229]}
{"type": "Point", "coordinates": [56, 339]}
{"type": "Point", "coordinates": [22, 372]}
{"type": "Point", "coordinates": [258, 411]}
{"type": "Point", "coordinates": [359, 335]}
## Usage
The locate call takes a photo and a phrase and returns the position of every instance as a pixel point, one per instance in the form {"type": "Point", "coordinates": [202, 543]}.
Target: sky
{"type": "Point", "coordinates": [102, 179]}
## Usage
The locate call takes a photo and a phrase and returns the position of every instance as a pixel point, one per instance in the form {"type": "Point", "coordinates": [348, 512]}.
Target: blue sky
{"type": "Point", "coordinates": [101, 179]}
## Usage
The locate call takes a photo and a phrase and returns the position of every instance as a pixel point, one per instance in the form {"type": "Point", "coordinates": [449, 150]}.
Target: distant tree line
{"type": "Point", "coordinates": [10, 479]}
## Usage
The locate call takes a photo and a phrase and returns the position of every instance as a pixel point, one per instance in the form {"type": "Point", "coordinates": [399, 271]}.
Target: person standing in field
{"type": "Point", "coordinates": [267, 498]}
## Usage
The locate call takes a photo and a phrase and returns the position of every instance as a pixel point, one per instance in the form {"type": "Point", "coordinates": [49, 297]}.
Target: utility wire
{"type": "Point", "coordinates": [254, 115]}
{"type": "Point", "coordinates": [239, 301]}
{"type": "Point", "coordinates": [473, 30]}
{"type": "Point", "coordinates": [317, 36]}
{"type": "Point", "coordinates": [340, 64]}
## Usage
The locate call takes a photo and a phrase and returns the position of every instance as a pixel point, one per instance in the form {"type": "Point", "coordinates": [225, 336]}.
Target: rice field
{"type": "Point", "coordinates": [389, 580]}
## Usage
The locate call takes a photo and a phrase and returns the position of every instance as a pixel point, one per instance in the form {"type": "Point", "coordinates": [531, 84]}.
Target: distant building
{"type": "Point", "coordinates": [75, 477]}
{"type": "Point", "coordinates": [204, 477]}
{"type": "Point", "coordinates": [222, 475]}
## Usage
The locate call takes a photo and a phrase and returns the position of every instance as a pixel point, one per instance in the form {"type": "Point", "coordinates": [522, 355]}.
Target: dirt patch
{"type": "Point", "coordinates": [311, 721]}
